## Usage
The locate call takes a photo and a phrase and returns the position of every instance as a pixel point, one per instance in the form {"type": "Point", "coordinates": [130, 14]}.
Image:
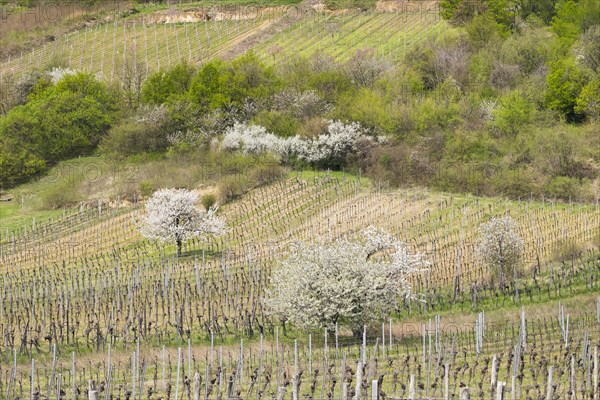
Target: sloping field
{"type": "Point", "coordinates": [341, 35]}
{"type": "Point", "coordinates": [110, 49]}
{"type": "Point", "coordinates": [87, 283]}
{"type": "Point", "coordinates": [146, 44]}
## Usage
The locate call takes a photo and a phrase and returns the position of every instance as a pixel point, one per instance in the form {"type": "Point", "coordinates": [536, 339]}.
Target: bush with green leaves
{"type": "Point", "coordinates": [59, 121]}
{"type": "Point", "coordinates": [168, 85]}
{"type": "Point", "coordinates": [565, 83]}
{"type": "Point", "coordinates": [513, 113]}
{"type": "Point", "coordinates": [588, 102]}
{"type": "Point", "coordinates": [226, 85]}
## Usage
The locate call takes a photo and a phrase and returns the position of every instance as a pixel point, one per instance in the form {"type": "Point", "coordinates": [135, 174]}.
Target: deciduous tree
{"type": "Point", "coordinates": [172, 216]}
{"type": "Point", "coordinates": [347, 281]}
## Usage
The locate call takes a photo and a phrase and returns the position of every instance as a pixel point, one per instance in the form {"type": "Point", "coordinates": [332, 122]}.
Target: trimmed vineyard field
{"type": "Point", "coordinates": [84, 297]}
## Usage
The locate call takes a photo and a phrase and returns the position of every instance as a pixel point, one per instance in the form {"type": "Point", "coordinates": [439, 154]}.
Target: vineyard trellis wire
{"type": "Point", "coordinates": [106, 48]}
{"type": "Point", "coordinates": [120, 290]}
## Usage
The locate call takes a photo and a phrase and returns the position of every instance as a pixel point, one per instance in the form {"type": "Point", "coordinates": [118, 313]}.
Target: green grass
{"type": "Point", "coordinates": [389, 35]}
{"type": "Point", "coordinates": [75, 178]}
{"type": "Point", "coordinates": [342, 4]}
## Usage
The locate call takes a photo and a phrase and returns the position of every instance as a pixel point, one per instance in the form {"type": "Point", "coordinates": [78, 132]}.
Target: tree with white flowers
{"type": "Point", "coordinates": [500, 247]}
{"type": "Point", "coordinates": [172, 216]}
{"type": "Point", "coordinates": [344, 281]}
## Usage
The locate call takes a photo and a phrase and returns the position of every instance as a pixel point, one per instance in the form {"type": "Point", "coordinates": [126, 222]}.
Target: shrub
{"type": "Point", "coordinates": [588, 102]}
{"type": "Point", "coordinates": [208, 201]}
{"type": "Point", "coordinates": [147, 132]}
{"type": "Point", "coordinates": [166, 85]}
{"type": "Point", "coordinates": [59, 121]}
{"type": "Point", "coordinates": [147, 188]}
{"type": "Point", "coordinates": [364, 68]}
{"type": "Point", "coordinates": [61, 195]}
{"type": "Point", "coordinates": [512, 114]}
{"type": "Point", "coordinates": [565, 83]}
{"type": "Point", "coordinates": [565, 187]}
{"type": "Point", "coordinates": [278, 122]}
{"type": "Point", "coordinates": [232, 187]}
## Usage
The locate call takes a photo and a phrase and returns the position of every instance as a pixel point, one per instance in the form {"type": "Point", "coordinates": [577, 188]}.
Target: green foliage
{"type": "Point", "coordinates": [482, 29]}
{"type": "Point", "coordinates": [166, 85]}
{"type": "Point", "coordinates": [461, 11]}
{"type": "Point", "coordinates": [563, 152]}
{"type": "Point", "coordinates": [529, 49]}
{"type": "Point", "coordinates": [439, 111]}
{"type": "Point", "coordinates": [147, 188]}
{"type": "Point", "coordinates": [572, 18]}
{"type": "Point", "coordinates": [61, 195]}
{"type": "Point", "coordinates": [208, 201]}
{"type": "Point", "coordinates": [566, 22]}
{"type": "Point", "coordinates": [565, 187]}
{"type": "Point", "coordinates": [370, 108]}
{"type": "Point", "coordinates": [59, 121]}
{"type": "Point", "coordinates": [588, 102]}
{"type": "Point", "coordinates": [209, 88]}
{"type": "Point", "coordinates": [513, 113]}
{"type": "Point", "coordinates": [565, 83]}
{"type": "Point", "coordinates": [129, 138]}
{"type": "Point", "coordinates": [279, 123]}
{"type": "Point", "coordinates": [222, 85]}
{"type": "Point", "coordinates": [330, 84]}
{"type": "Point", "coordinates": [543, 9]}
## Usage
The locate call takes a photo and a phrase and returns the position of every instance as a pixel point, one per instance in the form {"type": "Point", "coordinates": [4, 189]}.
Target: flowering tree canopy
{"type": "Point", "coordinates": [172, 216]}
{"type": "Point", "coordinates": [343, 281]}
{"type": "Point", "coordinates": [500, 246]}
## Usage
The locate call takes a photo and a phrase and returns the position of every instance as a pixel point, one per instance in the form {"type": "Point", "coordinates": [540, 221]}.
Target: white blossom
{"type": "Point", "coordinates": [250, 139]}
{"type": "Point", "coordinates": [340, 140]}
{"type": "Point", "coordinates": [500, 247]}
{"type": "Point", "coordinates": [172, 216]}
{"type": "Point", "coordinates": [57, 73]}
{"type": "Point", "coordinates": [343, 281]}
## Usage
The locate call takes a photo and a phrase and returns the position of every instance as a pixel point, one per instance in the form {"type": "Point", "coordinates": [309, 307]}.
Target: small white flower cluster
{"type": "Point", "coordinates": [57, 73]}
{"type": "Point", "coordinates": [339, 141]}
{"type": "Point", "coordinates": [251, 139]}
